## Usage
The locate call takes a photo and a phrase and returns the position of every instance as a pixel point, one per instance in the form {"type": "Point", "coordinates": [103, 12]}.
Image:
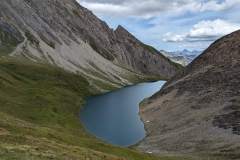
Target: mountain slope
{"type": "Point", "coordinates": [144, 58]}
{"type": "Point", "coordinates": [63, 33]}
{"type": "Point", "coordinates": [198, 110]}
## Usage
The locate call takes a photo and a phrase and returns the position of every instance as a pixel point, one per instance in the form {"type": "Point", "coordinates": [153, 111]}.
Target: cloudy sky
{"type": "Point", "coordinates": [171, 24]}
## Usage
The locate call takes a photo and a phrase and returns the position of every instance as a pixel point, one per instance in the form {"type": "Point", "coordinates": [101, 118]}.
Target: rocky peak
{"type": "Point", "coordinates": [120, 29]}
{"type": "Point", "coordinates": [123, 33]}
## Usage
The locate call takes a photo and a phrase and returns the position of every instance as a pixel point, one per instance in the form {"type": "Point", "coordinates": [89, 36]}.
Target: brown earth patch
{"type": "Point", "coordinates": [3, 132]}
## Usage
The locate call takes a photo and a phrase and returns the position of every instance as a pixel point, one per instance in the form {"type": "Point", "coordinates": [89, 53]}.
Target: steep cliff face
{"type": "Point", "coordinates": [63, 33]}
{"type": "Point", "coordinates": [198, 110]}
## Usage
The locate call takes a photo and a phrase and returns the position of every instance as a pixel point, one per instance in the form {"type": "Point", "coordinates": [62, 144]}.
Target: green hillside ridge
{"type": "Point", "coordinates": [39, 112]}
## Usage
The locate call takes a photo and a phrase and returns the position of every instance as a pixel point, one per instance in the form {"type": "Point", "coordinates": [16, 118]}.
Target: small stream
{"type": "Point", "coordinates": [114, 117]}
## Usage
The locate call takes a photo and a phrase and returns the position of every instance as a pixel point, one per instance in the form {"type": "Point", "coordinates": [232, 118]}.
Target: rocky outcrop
{"type": "Point", "coordinates": [9, 38]}
{"type": "Point", "coordinates": [63, 33]}
{"type": "Point", "coordinates": [198, 110]}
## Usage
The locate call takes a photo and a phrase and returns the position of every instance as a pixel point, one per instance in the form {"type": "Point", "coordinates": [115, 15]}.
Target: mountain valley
{"type": "Point", "coordinates": [56, 54]}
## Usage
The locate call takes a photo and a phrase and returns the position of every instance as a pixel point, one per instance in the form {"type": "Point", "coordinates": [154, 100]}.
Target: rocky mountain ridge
{"type": "Point", "coordinates": [64, 33]}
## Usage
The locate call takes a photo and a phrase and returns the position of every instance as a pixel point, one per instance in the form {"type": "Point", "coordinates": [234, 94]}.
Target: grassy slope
{"type": "Point", "coordinates": [39, 106]}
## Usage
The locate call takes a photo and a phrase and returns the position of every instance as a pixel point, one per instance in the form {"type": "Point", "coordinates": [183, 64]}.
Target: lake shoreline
{"type": "Point", "coordinates": [125, 100]}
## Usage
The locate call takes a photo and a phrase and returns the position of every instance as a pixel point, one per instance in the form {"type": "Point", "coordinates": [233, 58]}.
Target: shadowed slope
{"type": "Point", "coordinates": [198, 110]}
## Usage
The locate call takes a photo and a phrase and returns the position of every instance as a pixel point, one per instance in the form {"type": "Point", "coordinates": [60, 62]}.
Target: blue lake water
{"type": "Point", "coordinates": [114, 117]}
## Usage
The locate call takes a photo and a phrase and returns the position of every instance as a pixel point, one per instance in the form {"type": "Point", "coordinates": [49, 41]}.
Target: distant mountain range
{"type": "Point", "coordinates": [183, 57]}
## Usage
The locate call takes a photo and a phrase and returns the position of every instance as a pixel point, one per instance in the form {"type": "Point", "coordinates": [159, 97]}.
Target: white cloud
{"type": "Point", "coordinates": [170, 37]}
{"type": "Point", "coordinates": [152, 8]}
{"type": "Point", "coordinates": [204, 31]}
{"type": "Point", "coordinates": [216, 6]}
{"type": "Point", "coordinates": [174, 17]}
{"type": "Point", "coordinates": [108, 9]}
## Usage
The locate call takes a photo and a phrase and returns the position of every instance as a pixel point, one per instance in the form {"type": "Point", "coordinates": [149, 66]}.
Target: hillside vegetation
{"type": "Point", "coordinates": [39, 119]}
